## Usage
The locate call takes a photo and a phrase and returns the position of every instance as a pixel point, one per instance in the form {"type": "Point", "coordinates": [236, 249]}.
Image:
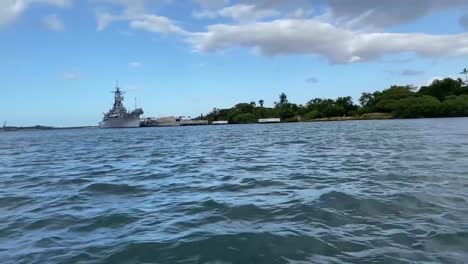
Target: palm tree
{"type": "Point", "coordinates": [283, 99]}
{"type": "Point", "coordinates": [465, 71]}
{"type": "Point", "coordinates": [261, 102]}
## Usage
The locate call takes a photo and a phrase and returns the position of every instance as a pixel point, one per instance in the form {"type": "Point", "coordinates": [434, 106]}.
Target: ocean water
{"type": "Point", "coordinates": [341, 192]}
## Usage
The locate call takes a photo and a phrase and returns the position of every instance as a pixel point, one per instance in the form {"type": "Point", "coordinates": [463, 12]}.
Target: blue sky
{"type": "Point", "coordinates": [61, 58]}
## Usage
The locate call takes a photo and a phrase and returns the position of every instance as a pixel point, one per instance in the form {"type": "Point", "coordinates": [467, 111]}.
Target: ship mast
{"type": "Point", "coordinates": [118, 99]}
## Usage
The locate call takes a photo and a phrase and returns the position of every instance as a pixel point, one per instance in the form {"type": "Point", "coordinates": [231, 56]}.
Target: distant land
{"type": "Point", "coordinates": [442, 98]}
{"type": "Point", "coordinates": [38, 127]}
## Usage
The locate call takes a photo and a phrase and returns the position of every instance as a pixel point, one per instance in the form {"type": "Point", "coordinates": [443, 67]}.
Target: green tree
{"type": "Point", "coordinates": [283, 99]}
{"type": "Point", "coordinates": [387, 101]}
{"type": "Point", "coordinates": [333, 110]}
{"type": "Point", "coordinates": [347, 104]}
{"type": "Point", "coordinates": [455, 106]}
{"type": "Point", "coordinates": [418, 106]}
{"type": "Point", "coordinates": [243, 108]}
{"type": "Point", "coordinates": [366, 99]}
{"type": "Point", "coordinates": [245, 118]}
{"type": "Point", "coordinates": [261, 102]}
{"type": "Point", "coordinates": [287, 110]}
{"type": "Point", "coordinates": [448, 97]}
{"type": "Point", "coordinates": [441, 88]}
{"type": "Point", "coordinates": [314, 114]}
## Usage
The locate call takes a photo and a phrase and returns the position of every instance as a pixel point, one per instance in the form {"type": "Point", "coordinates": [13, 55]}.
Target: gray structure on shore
{"type": "Point", "coordinates": [171, 122]}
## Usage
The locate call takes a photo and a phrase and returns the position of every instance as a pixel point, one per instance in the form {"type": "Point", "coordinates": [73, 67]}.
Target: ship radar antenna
{"type": "Point", "coordinates": [465, 72]}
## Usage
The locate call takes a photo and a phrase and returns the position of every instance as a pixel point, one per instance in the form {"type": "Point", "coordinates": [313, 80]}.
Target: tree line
{"type": "Point", "coordinates": [442, 98]}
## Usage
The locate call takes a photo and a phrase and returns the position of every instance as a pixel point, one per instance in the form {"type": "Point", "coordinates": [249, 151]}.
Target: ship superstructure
{"type": "Point", "coordinates": [118, 116]}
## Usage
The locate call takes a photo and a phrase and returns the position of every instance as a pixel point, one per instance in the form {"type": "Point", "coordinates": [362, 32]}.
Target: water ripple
{"type": "Point", "coordinates": [345, 192]}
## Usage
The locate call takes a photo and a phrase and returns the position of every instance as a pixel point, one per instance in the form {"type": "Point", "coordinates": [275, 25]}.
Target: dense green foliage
{"type": "Point", "coordinates": [442, 98]}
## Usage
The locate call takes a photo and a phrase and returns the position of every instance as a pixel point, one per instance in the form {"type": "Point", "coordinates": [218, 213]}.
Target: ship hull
{"type": "Point", "coordinates": [129, 122]}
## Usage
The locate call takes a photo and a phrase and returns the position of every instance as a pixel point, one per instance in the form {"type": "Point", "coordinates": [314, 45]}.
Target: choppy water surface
{"type": "Point", "coordinates": [381, 191]}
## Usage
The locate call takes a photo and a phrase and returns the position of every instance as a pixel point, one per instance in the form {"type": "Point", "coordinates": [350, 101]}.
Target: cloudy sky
{"type": "Point", "coordinates": [60, 58]}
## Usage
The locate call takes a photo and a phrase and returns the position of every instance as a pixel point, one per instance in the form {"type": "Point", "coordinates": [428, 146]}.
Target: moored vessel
{"type": "Point", "coordinates": [118, 116]}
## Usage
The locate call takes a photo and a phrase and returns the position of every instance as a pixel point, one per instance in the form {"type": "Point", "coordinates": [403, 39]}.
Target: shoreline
{"type": "Point", "coordinates": [370, 116]}
{"type": "Point", "coordinates": [318, 120]}
{"type": "Point", "coordinates": [40, 128]}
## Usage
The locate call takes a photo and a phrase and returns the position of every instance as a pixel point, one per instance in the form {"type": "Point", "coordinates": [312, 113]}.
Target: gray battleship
{"type": "Point", "coordinates": [118, 116]}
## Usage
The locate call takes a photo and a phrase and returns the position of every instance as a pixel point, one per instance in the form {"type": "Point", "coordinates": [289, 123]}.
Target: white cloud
{"type": "Point", "coordinates": [337, 36]}
{"type": "Point", "coordinates": [135, 64]}
{"type": "Point", "coordinates": [300, 13]}
{"type": "Point", "coordinates": [239, 12]}
{"type": "Point", "coordinates": [278, 27]}
{"type": "Point", "coordinates": [11, 9]}
{"type": "Point", "coordinates": [136, 13]}
{"type": "Point", "coordinates": [308, 36]}
{"type": "Point", "coordinates": [383, 14]}
{"type": "Point", "coordinates": [356, 14]}
{"type": "Point", "coordinates": [54, 23]}
{"type": "Point", "coordinates": [154, 23]}
{"type": "Point", "coordinates": [247, 13]}
{"type": "Point", "coordinates": [147, 22]}
{"type": "Point", "coordinates": [205, 14]}
{"type": "Point", "coordinates": [104, 19]}
{"type": "Point", "coordinates": [71, 76]}
{"type": "Point", "coordinates": [282, 5]}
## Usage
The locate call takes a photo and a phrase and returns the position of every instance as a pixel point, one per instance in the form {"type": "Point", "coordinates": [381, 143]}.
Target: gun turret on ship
{"type": "Point", "coordinates": [118, 116]}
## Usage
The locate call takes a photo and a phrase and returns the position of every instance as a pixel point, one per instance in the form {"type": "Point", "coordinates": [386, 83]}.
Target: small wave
{"type": "Point", "coordinates": [53, 222]}
{"type": "Point", "coordinates": [344, 202]}
{"type": "Point", "coordinates": [212, 204]}
{"type": "Point", "coordinates": [46, 242]}
{"type": "Point", "coordinates": [111, 188]}
{"type": "Point", "coordinates": [448, 242]}
{"type": "Point", "coordinates": [226, 187]}
{"type": "Point", "coordinates": [257, 168]}
{"type": "Point", "coordinates": [245, 184]}
{"type": "Point", "coordinates": [292, 142]}
{"type": "Point", "coordinates": [313, 214]}
{"type": "Point", "coordinates": [232, 212]}
{"type": "Point", "coordinates": [76, 181]}
{"type": "Point", "coordinates": [248, 212]}
{"type": "Point", "coordinates": [14, 201]}
{"type": "Point", "coordinates": [413, 203]}
{"type": "Point", "coordinates": [230, 248]}
{"type": "Point", "coordinates": [106, 221]}
{"type": "Point", "coordinates": [255, 183]}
